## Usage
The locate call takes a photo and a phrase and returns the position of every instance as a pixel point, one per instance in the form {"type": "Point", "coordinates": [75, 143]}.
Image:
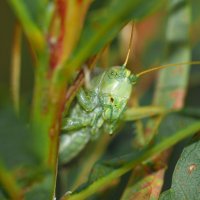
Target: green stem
{"type": "Point", "coordinates": [136, 113]}
{"type": "Point", "coordinates": [163, 145]}
{"type": "Point", "coordinates": [49, 96]}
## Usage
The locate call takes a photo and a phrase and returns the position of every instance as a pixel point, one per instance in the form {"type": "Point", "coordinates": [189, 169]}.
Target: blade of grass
{"type": "Point", "coordinates": [16, 67]}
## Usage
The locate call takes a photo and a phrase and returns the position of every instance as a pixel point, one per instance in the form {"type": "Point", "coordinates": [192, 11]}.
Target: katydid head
{"type": "Point", "coordinates": [115, 90]}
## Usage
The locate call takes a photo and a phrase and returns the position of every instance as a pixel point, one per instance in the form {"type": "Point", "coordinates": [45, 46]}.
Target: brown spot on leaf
{"type": "Point", "coordinates": [191, 168]}
{"type": "Point", "coordinates": [178, 98]}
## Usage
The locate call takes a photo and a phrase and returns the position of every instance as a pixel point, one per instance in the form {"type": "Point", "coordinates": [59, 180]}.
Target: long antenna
{"type": "Point", "coordinates": [165, 66]}
{"type": "Point", "coordinates": [130, 44]}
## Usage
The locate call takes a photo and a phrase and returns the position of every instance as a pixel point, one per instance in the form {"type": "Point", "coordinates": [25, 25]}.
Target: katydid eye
{"type": "Point", "coordinates": [112, 74]}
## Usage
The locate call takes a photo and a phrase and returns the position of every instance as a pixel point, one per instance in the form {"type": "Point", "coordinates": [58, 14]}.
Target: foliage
{"type": "Point", "coordinates": [65, 36]}
{"type": "Point", "coordinates": [185, 180]}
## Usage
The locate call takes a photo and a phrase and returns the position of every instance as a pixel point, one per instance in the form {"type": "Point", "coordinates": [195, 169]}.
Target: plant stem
{"type": "Point", "coordinates": [136, 113]}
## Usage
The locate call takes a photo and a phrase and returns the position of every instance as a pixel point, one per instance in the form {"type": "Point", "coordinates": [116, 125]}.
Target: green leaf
{"type": "Point", "coordinates": [104, 24]}
{"type": "Point", "coordinates": [35, 8]}
{"type": "Point", "coordinates": [186, 181]}
{"type": "Point", "coordinates": [145, 183]}
{"type": "Point", "coordinates": [16, 142]}
{"type": "Point", "coordinates": [19, 154]}
{"type": "Point", "coordinates": [169, 134]}
{"type": "Point", "coordinates": [31, 11]}
{"type": "Point", "coordinates": [41, 190]}
{"type": "Point", "coordinates": [170, 91]}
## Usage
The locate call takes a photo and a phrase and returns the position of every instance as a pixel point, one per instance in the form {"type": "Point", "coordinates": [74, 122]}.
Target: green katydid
{"type": "Point", "coordinates": [100, 108]}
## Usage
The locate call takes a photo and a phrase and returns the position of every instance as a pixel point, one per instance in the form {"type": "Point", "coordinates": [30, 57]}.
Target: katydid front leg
{"type": "Point", "coordinates": [70, 124]}
{"type": "Point", "coordinates": [82, 124]}
{"type": "Point", "coordinates": [96, 122]}
{"type": "Point", "coordinates": [88, 100]}
{"type": "Point", "coordinates": [110, 127]}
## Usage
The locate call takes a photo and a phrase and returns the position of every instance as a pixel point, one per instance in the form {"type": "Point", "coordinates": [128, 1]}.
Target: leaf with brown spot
{"type": "Point", "coordinates": [145, 184]}
{"type": "Point", "coordinates": [186, 181]}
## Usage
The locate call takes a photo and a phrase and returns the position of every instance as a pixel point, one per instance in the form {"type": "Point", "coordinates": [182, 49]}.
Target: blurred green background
{"type": "Point", "coordinates": [149, 49]}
